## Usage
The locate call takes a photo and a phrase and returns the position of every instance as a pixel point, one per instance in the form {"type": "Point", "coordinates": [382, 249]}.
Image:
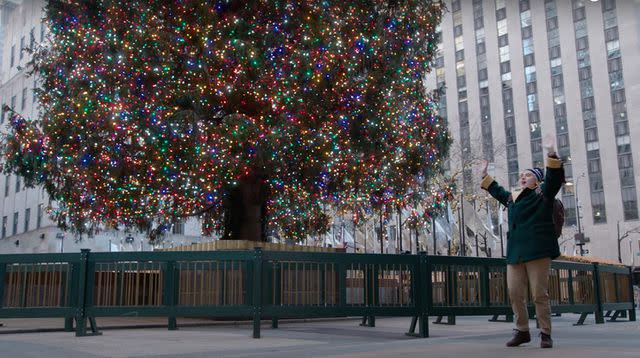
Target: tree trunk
{"type": "Point", "coordinates": [245, 211]}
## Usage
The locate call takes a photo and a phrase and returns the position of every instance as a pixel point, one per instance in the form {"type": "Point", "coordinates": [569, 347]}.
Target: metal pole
{"type": "Point", "coordinates": [501, 240]}
{"type": "Point", "coordinates": [381, 239]}
{"type": "Point", "coordinates": [475, 226]}
{"type": "Point", "coordinates": [578, 218]}
{"type": "Point", "coordinates": [459, 232]}
{"type": "Point", "coordinates": [619, 239]}
{"type": "Point", "coordinates": [433, 230]}
{"type": "Point", "coordinates": [411, 243]}
{"type": "Point", "coordinates": [486, 248]}
{"type": "Point", "coordinates": [366, 229]}
{"type": "Point", "coordinates": [399, 234]}
{"type": "Point", "coordinates": [463, 227]}
{"type": "Point", "coordinates": [355, 242]}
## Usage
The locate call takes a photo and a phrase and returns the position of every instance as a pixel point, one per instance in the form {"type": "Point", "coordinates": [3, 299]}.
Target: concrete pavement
{"type": "Point", "coordinates": [342, 338]}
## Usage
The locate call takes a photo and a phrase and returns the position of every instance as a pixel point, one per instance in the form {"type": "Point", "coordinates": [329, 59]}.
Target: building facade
{"type": "Point", "coordinates": [516, 70]}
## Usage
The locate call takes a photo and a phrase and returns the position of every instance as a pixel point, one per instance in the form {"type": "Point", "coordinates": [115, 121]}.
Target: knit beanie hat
{"type": "Point", "coordinates": [538, 172]}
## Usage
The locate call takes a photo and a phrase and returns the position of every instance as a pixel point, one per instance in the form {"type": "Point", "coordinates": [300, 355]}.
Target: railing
{"type": "Point", "coordinates": [276, 284]}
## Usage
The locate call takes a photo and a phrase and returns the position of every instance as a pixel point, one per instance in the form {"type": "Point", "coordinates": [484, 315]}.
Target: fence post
{"type": "Point", "coordinates": [3, 272]}
{"type": "Point", "coordinates": [257, 291]}
{"type": "Point", "coordinates": [632, 311]}
{"type": "Point", "coordinates": [84, 289]}
{"type": "Point", "coordinates": [425, 293]}
{"type": "Point", "coordinates": [485, 293]}
{"type": "Point", "coordinates": [170, 294]}
{"type": "Point", "coordinates": [596, 287]}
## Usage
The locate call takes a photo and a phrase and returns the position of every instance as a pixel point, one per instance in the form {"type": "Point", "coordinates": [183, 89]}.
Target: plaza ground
{"type": "Point", "coordinates": [470, 337]}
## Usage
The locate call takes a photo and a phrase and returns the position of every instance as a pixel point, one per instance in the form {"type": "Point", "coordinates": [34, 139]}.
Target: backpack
{"type": "Point", "coordinates": [558, 217]}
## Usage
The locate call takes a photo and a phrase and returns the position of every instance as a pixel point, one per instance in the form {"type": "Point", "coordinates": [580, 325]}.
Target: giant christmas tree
{"type": "Point", "coordinates": [244, 113]}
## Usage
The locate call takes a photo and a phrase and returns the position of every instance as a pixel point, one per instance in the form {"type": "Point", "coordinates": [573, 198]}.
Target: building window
{"type": "Point", "coordinates": [15, 223]}
{"type": "Point", "coordinates": [584, 73]}
{"type": "Point", "coordinates": [32, 38]}
{"type": "Point", "coordinates": [591, 134]}
{"type": "Point", "coordinates": [578, 14]}
{"type": "Point", "coordinates": [505, 67]}
{"type": "Point", "coordinates": [39, 217]}
{"type": "Point", "coordinates": [178, 228]}
{"type": "Point", "coordinates": [17, 183]}
{"type": "Point", "coordinates": [611, 34]}
{"type": "Point", "coordinates": [3, 113]}
{"type": "Point", "coordinates": [457, 30]}
{"type": "Point", "coordinates": [621, 128]}
{"type": "Point", "coordinates": [618, 96]}
{"type": "Point", "coordinates": [557, 81]}
{"type": "Point", "coordinates": [554, 52]}
{"type": "Point", "coordinates": [503, 40]}
{"type": "Point", "coordinates": [4, 227]}
{"type": "Point", "coordinates": [6, 185]}
{"type": "Point", "coordinates": [529, 60]}
{"type": "Point", "coordinates": [13, 103]}
{"type": "Point", "coordinates": [27, 217]}
{"type": "Point", "coordinates": [608, 5]}
{"type": "Point", "coordinates": [501, 14]}
{"type": "Point", "coordinates": [582, 43]}
{"type": "Point", "coordinates": [614, 65]}
{"type": "Point", "coordinates": [478, 23]}
{"type": "Point", "coordinates": [23, 103]}
{"type": "Point", "coordinates": [482, 74]}
{"type": "Point", "coordinates": [21, 47]}
{"type": "Point", "coordinates": [504, 53]}
{"type": "Point", "coordinates": [613, 49]}
{"type": "Point", "coordinates": [513, 179]}
{"type": "Point", "coordinates": [630, 203]}
{"type": "Point", "coordinates": [598, 207]}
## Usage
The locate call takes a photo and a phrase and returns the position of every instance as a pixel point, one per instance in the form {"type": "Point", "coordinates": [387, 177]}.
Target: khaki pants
{"type": "Point", "coordinates": [534, 274]}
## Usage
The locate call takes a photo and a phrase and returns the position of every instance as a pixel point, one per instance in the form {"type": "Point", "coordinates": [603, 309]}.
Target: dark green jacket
{"type": "Point", "coordinates": [531, 230]}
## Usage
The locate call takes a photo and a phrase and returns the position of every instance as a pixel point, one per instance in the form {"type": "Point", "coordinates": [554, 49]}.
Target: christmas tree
{"type": "Point", "coordinates": [247, 114]}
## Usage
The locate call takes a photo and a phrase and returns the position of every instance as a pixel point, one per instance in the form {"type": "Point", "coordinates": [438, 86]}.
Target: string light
{"type": "Point", "coordinates": [152, 111]}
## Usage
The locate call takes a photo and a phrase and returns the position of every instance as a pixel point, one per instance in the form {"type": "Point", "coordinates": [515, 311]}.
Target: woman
{"type": "Point", "coordinates": [531, 241]}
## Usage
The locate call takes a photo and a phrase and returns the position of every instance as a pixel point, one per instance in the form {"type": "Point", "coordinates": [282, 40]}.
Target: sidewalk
{"type": "Point", "coordinates": [342, 338]}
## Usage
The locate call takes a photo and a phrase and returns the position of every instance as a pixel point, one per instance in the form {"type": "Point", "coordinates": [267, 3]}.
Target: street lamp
{"type": "Point", "coordinates": [579, 237]}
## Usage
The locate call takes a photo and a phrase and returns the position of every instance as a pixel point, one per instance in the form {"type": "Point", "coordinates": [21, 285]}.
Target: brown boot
{"type": "Point", "coordinates": [519, 337]}
{"type": "Point", "coordinates": [545, 341]}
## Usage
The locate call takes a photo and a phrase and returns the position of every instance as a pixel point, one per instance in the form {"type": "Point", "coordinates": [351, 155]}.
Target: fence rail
{"type": "Point", "coordinates": [277, 284]}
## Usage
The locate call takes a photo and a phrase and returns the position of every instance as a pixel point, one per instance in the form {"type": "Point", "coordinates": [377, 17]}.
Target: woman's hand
{"type": "Point", "coordinates": [549, 143]}
{"type": "Point", "coordinates": [483, 168]}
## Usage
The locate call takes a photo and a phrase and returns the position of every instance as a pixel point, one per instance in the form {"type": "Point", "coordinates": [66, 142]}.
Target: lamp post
{"type": "Point", "coordinates": [579, 236]}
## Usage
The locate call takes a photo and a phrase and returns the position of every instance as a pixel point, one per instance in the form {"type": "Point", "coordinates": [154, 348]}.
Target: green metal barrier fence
{"type": "Point", "coordinates": [258, 285]}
